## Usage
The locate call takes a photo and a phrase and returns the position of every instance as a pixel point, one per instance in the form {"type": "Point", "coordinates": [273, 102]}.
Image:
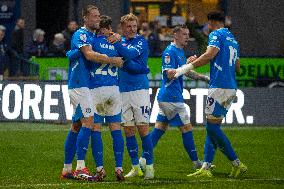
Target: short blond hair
{"type": "Point", "coordinates": [128, 17]}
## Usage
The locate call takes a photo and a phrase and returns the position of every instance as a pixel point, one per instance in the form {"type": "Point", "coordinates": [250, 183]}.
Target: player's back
{"type": "Point", "coordinates": [171, 90]}
{"type": "Point", "coordinates": [79, 69]}
{"type": "Point", "coordinates": [222, 67]}
{"type": "Point", "coordinates": [131, 82]}
{"type": "Point", "coordinates": [103, 74]}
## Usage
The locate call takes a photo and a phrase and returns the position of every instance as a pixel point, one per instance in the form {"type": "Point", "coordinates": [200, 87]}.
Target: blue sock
{"type": "Point", "coordinates": [83, 142]}
{"type": "Point", "coordinates": [70, 147]}
{"type": "Point", "coordinates": [188, 143]}
{"type": "Point", "coordinates": [217, 135]}
{"type": "Point", "coordinates": [147, 147]}
{"type": "Point", "coordinates": [118, 147]}
{"type": "Point", "coordinates": [132, 148]}
{"type": "Point", "coordinates": [156, 134]}
{"type": "Point", "coordinates": [209, 149]}
{"type": "Point", "coordinates": [97, 148]}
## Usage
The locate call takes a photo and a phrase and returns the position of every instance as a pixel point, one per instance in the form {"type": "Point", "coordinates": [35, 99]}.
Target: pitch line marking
{"type": "Point", "coordinates": [127, 182]}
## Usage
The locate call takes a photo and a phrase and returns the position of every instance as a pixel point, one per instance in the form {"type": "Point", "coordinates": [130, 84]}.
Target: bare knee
{"type": "Point", "coordinates": [186, 128]}
{"type": "Point", "coordinates": [75, 127]}
{"type": "Point", "coordinates": [97, 127]}
{"type": "Point", "coordinates": [114, 126]}
{"type": "Point", "coordinates": [87, 122]}
{"type": "Point", "coordinates": [162, 126]}
{"type": "Point", "coordinates": [143, 130]}
{"type": "Point", "coordinates": [129, 130]}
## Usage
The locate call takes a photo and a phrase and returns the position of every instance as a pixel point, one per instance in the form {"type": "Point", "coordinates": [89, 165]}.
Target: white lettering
{"type": "Point", "coordinates": [33, 103]}
{"type": "Point", "coordinates": [67, 104]}
{"type": "Point", "coordinates": [6, 101]}
{"type": "Point", "coordinates": [200, 93]}
{"type": "Point", "coordinates": [48, 102]}
{"type": "Point", "coordinates": [237, 108]}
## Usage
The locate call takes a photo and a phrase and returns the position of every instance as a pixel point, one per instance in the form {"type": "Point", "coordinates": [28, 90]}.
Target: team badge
{"type": "Point", "coordinates": [167, 59]}
{"type": "Point", "coordinates": [83, 37]}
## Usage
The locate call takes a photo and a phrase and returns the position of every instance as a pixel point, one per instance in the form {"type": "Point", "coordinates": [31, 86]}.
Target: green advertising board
{"type": "Point", "coordinates": [252, 69]}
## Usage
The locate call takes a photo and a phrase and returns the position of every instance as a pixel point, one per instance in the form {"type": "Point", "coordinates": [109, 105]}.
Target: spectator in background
{"type": "Point", "coordinates": [194, 30]}
{"type": "Point", "coordinates": [228, 22]}
{"type": "Point", "coordinates": [17, 46]}
{"type": "Point", "coordinates": [37, 46]}
{"type": "Point", "coordinates": [17, 41]}
{"type": "Point", "coordinates": [154, 40]}
{"type": "Point", "coordinates": [4, 58]}
{"type": "Point", "coordinates": [68, 32]}
{"type": "Point", "coordinates": [57, 47]}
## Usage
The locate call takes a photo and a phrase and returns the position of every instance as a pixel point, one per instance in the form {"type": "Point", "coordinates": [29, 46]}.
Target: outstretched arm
{"type": "Point", "coordinates": [210, 53]}
{"type": "Point", "coordinates": [197, 76]}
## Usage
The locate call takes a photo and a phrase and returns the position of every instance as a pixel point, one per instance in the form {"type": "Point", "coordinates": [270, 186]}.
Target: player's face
{"type": "Point", "coordinates": [182, 37]}
{"type": "Point", "coordinates": [106, 31]}
{"type": "Point", "coordinates": [92, 20]}
{"type": "Point", "coordinates": [211, 25]}
{"type": "Point", "coordinates": [129, 29]}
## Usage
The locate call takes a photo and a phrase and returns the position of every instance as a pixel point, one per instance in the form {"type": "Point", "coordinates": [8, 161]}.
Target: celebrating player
{"type": "Point", "coordinates": [171, 104]}
{"type": "Point", "coordinates": [223, 54]}
{"type": "Point", "coordinates": [134, 90]}
{"type": "Point", "coordinates": [80, 96]}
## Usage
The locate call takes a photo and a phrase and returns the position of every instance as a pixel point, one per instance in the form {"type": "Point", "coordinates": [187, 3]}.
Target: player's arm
{"type": "Point", "coordinates": [210, 53]}
{"type": "Point", "coordinates": [100, 58]}
{"type": "Point", "coordinates": [197, 76]}
{"type": "Point", "coordinates": [73, 54]}
{"type": "Point", "coordinates": [238, 65]}
{"type": "Point", "coordinates": [135, 68]}
{"type": "Point", "coordinates": [132, 52]}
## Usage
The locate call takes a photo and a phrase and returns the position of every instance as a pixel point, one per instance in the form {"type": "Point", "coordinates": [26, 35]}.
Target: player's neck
{"type": "Point", "coordinates": [178, 45]}
{"type": "Point", "coordinates": [89, 29]}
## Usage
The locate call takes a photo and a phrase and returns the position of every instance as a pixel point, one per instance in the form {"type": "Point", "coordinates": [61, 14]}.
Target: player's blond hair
{"type": "Point", "coordinates": [127, 18]}
{"type": "Point", "coordinates": [87, 9]}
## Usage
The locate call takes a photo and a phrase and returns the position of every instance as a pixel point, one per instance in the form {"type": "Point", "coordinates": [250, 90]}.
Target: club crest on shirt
{"type": "Point", "coordinates": [167, 59]}
{"type": "Point", "coordinates": [83, 37]}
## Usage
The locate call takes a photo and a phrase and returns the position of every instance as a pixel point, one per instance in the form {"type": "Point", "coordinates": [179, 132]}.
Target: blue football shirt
{"type": "Point", "coordinates": [171, 90]}
{"type": "Point", "coordinates": [222, 67]}
{"type": "Point", "coordinates": [79, 69]}
{"type": "Point", "coordinates": [103, 74]}
{"type": "Point", "coordinates": [135, 50]}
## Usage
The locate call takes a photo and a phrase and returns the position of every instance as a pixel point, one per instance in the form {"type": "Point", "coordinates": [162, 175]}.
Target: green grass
{"type": "Point", "coordinates": [31, 156]}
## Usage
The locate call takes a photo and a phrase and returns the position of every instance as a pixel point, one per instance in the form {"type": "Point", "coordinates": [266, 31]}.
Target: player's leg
{"type": "Point", "coordinates": [85, 107]}
{"type": "Point", "coordinates": [70, 150]}
{"type": "Point", "coordinates": [113, 117]}
{"type": "Point", "coordinates": [178, 117]}
{"type": "Point", "coordinates": [118, 148]}
{"type": "Point", "coordinates": [141, 110]}
{"type": "Point", "coordinates": [97, 149]}
{"type": "Point", "coordinates": [216, 110]}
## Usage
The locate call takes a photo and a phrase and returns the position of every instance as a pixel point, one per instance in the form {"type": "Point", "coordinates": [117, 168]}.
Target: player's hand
{"type": "Point", "coordinates": [171, 74]}
{"type": "Point", "coordinates": [191, 59]}
{"type": "Point", "coordinates": [115, 37]}
{"type": "Point", "coordinates": [117, 61]}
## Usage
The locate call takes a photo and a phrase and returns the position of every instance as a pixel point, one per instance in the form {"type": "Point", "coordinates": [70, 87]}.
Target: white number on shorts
{"type": "Point", "coordinates": [233, 55]}
{"type": "Point", "coordinates": [100, 70]}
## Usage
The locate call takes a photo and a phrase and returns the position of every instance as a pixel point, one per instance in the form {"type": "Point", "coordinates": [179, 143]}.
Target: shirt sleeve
{"type": "Point", "coordinates": [81, 39]}
{"type": "Point", "coordinates": [132, 51]}
{"type": "Point", "coordinates": [214, 40]}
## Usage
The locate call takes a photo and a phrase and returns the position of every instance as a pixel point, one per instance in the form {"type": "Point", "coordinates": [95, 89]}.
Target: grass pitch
{"type": "Point", "coordinates": [31, 156]}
